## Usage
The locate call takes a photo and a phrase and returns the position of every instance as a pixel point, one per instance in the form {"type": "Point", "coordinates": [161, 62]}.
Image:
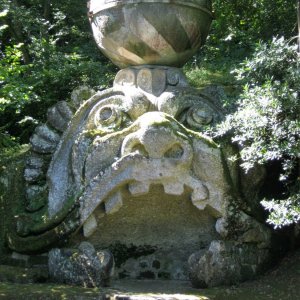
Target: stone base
{"type": "Point", "coordinates": [84, 266]}
{"type": "Point", "coordinates": [226, 263]}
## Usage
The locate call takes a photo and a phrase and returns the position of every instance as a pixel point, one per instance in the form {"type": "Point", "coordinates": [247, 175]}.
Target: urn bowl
{"type": "Point", "coordinates": [149, 32]}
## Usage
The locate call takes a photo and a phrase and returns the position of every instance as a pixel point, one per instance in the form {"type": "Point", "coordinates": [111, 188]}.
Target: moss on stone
{"type": "Point", "coordinates": [23, 275]}
{"type": "Point", "coordinates": [40, 229]}
{"type": "Point", "coordinates": [42, 242]}
{"type": "Point", "coordinates": [10, 291]}
{"type": "Point", "coordinates": [11, 188]}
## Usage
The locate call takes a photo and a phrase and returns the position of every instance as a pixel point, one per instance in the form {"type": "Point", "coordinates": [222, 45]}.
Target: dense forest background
{"type": "Point", "coordinates": [47, 50]}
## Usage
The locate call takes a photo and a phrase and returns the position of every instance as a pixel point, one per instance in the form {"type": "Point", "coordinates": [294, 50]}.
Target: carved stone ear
{"type": "Point", "coordinates": [44, 143]}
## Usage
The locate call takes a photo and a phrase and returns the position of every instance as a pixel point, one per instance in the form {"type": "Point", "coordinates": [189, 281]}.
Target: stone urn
{"type": "Point", "coordinates": [148, 32]}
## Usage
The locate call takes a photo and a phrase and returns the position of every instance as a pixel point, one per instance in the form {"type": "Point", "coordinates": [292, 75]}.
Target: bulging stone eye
{"type": "Point", "coordinates": [197, 117]}
{"type": "Point", "coordinates": [108, 116]}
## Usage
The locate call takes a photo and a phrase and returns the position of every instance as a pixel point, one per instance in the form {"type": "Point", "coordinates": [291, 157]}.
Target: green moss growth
{"type": "Point", "coordinates": [38, 230]}
{"type": "Point", "coordinates": [46, 292]}
{"type": "Point", "coordinates": [11, 188]}
{"type": "Point", "coordinates": [22, 275]}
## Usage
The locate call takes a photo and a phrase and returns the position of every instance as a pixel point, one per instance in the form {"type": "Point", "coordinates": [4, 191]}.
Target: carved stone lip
{"type": "Point", "coordinates": [202, 5]}
{"type": "Point", "coordinates": [138, 173]}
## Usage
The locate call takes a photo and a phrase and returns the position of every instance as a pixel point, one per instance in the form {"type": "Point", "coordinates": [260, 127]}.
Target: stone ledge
{"type": "Point", "coordinates": [23, 275]}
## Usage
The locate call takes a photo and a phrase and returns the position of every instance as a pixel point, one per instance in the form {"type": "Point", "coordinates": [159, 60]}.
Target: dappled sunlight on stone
{"type": "Point", "coordinates": [128, 182]}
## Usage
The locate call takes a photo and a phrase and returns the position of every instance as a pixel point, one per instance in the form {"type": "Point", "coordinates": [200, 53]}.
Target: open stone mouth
{"type": "Point", "coordinates": [138, 173]}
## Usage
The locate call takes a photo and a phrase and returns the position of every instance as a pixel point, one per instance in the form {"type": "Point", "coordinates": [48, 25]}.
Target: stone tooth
{"type": "Point", "coordinates": [174, 188]}
{"type": "Point", "coordinates": [90, 226]}
{"type": "Point", "coordinates": [199, 196]}
{"type": "Point", "coordinates": [138, 188]}
{"type": "Point", "coordinates": [200, 204]}
{"type": "Point", "coordinates": [114, 203]}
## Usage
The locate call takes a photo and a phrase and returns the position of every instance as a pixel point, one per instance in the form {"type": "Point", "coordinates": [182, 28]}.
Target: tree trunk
{"type": "Point", "coordinates": [16, 31]}
{"type": "Point", "coordinates": [47, 9]}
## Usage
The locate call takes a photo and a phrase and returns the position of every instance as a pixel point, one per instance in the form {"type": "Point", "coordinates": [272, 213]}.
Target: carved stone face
{"type": "Point", "coordinates": [125, 144]}
{"type": "Point", "coordinates": [134, 147]}
{"type": "Point", "coordinates": [148, 181]}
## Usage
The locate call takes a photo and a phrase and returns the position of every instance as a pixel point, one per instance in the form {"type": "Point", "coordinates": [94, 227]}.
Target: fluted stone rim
{"type": "Point", "coordinates": [204, 5]}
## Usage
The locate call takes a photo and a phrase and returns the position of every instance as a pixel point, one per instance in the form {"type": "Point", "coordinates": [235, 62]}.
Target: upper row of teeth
{"type": "Point", "coordinates": [115, 201]}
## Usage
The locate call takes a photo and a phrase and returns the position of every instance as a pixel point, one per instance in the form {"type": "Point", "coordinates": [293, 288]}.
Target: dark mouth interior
{"type": "Point", "coordinates": [153, 227]}
{"type": "Point", "coordinates": [154, 219]}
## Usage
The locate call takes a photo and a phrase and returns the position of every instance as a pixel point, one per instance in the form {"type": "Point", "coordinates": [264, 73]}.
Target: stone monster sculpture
{"type": "Point", "coordinates": [132, 166]}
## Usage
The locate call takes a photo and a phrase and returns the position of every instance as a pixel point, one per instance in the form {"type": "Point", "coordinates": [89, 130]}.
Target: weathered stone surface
{"type": "Point", "coordinates": [81, 94]}
{"type": "Point", "coordinates": [146, 78]}
{"type": "Point", "coordinates": [114, 203]}
{"type": "Point", "coordinates": [32, 175]}
{"type": "Point", "coordinates": [35, 161]}
{"type": "Point", "coordinates": [36, 197]}
{"type": "Point", "coordinates": [149, 79]}
{"type": "Point", "coordinates": [139, 35]}
{"type": "Point", "coordinates": [160, 266]}
{"type": "Point", "coordinates": [90, 226]}
{"type": "Point", "coordinates": [251, 231]}
{"type": "Point", "coordinates": [22, 275]}
{"type": "Point", "coordinates": [34, 168]}
{"type": "Point", "coordinates": [59, 115]}
{"type": "Point", "coordinates": [226, 263]}
{"type": "Point", "coordinates": [84, 266]}
{"type": "Point", "coordinates": [11, 191]}
{"type": "Point", "coordinates": [116, 119]}
{"type": "Point", "coordinates": [252, 182]}
{"type": "Point", "coordinates": [135, 168]}
{"type": "Point", "coordinates": [44, 140]}
{"type": "Point", "coordinates": [153, 154]}
{"type": "Point", "coordinates": [222, 227]}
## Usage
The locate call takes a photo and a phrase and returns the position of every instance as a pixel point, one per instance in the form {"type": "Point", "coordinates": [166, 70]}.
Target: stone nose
{"type": "Point", "coordinates": [158, 141]}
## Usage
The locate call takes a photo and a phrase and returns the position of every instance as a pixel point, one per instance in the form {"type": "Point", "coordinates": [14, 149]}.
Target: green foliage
{"type": "Point", "coordinates": [237, 27]}
{"type": "Point", "coordinates": [276, 61]}
{"type": "Point", "coordinates": [46, 50]}
{"type": "Point", "coordinates": [266, 124]}
{"type": "Point", "coordinates": [283, 212]}
{"type": "Point", "coordinates": [245, 21]}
